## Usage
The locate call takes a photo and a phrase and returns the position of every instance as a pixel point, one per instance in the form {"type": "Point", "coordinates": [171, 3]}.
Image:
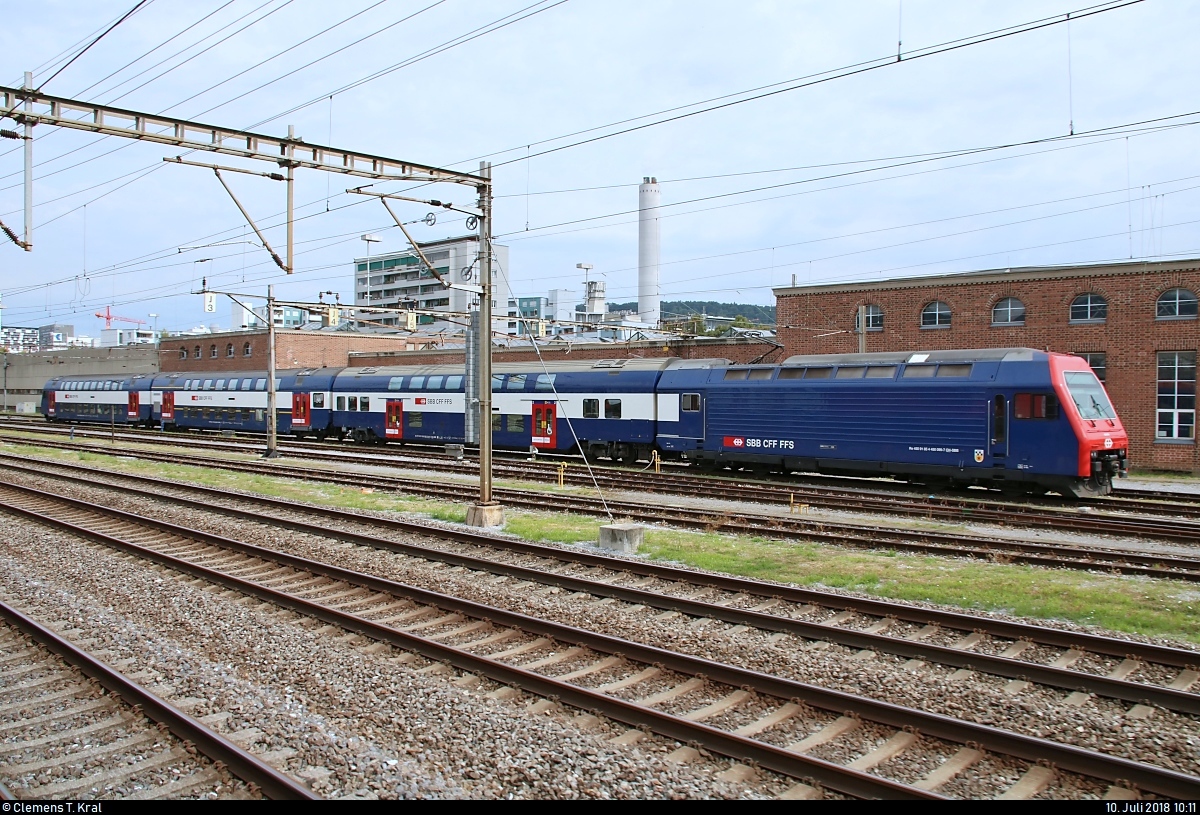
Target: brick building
{"type": "Point", "coordinates": [1135, 322]}
{"type": "Point", "coordinates": [242, 350]}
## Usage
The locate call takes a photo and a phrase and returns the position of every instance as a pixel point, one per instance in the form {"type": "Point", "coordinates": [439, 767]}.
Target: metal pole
{"type": "Point", "coordinates": [485, 336]}
{"type": "Point", "coordinates": [862, 329]}
{"type": "Point", "coordinates": [28, 167]}
{"type": "Point", "coordinates": [487, 512]}
{"type": "Point", "coordinates": [272, 430]}
{"type": "Point", "coordinates": [291, 203]}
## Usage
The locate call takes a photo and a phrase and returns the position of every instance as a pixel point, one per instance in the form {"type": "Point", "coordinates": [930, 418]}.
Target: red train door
{"type": "Point", "coordinates": [394, 419]}
{"type": "Point", "coordinates": [168, 406]}
{"type": "Point", "coordinates": [133, 409]}
{"type": "Point", "coordinates": [543, 426]}
{"type": "Point", "coordinates": [50, 404]}
{"type": "Point", "coordinates": [300, 417]}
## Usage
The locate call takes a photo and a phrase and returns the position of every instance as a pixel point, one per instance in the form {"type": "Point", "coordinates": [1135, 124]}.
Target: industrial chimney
{"type": "Point", "coordinates": [649, 198]}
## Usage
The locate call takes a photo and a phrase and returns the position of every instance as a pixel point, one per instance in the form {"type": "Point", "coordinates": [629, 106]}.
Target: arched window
{"type": "Point", "coordinates": [935, 315]}
{"type": "Point", "coordinates": [1009, 311]}
{"type": "Point", "coordinates": [196, 352]}
{"type": "Point", "coordinates": [183, 353]}
{"type": "Point", "coordinates": [1089, 308]}
{"type": "Point", "coordinates": [1176, 304]}
{"type": "Point", "coordinates": [874, 318]}
{"type": "Point", "coordinates": [246, 350]}
{"type": "Point", "coordinates": [212, 351]}
{"type": "Point", "coordinates": [229, 350]}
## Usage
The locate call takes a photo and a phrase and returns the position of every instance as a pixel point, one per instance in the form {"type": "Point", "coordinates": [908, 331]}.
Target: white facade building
{"type": "Point", "coordinates": [397, 280]}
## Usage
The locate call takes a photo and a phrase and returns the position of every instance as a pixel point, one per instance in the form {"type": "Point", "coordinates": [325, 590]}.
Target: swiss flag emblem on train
{"type": "Point", "coordinates": [735, 441]}
{"type": "Point", "coordinates": [420, 400]}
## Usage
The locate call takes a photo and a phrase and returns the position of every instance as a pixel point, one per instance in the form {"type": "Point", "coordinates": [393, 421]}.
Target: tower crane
{"type": "Point", "coordinates": [109, 317]}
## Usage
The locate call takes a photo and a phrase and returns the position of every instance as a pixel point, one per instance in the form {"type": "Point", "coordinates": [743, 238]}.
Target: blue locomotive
{"type": "Point", "coordinates": [1014, 418]}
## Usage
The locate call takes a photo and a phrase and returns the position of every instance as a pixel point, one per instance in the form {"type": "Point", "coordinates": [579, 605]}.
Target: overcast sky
{"type": "Point", "coordinates": [852, 204]}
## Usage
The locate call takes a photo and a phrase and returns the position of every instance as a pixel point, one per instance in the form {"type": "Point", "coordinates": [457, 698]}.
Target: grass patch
{"type": "Point", "coordinates": [1129, 604]}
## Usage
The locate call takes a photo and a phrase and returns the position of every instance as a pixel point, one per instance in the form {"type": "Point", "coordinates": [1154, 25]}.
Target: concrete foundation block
{"type": "Point", "coordinates": [485, 515]}
{"type": "Point", "coordinates": [623, 538]}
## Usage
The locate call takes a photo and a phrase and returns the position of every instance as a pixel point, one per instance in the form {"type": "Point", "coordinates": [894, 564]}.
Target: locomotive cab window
{"type": "Point", "coordinates": [689, 402]}
{"type": "Point", "coordinates": [591, 408]}
{"type": "Point", "coordinates": [1035, 406]}
{"type": "Point", "coordinates": [612, 408]}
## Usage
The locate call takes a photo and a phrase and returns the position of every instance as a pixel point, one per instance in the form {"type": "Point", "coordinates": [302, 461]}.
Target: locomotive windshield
{"type": "Point", "coordinates": [1090, 399]}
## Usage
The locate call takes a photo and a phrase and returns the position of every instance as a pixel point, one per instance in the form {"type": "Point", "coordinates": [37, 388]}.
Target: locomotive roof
{"type": "Point", "coordinates": [896, 357]}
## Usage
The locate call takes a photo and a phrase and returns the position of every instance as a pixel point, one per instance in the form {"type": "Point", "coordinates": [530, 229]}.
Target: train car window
{"type": "Point", "coordinates": [760, 373]}
{"type": "Point", "coordinates": [591, 408]}
{"type": "Point", "coordinates": [1035, 406]}
{"type": "Point", "coordinates": [545, 382]}
{"type": "Point", "coordinates": [278, 383]}
{"type": "Point", "coordinates": [364, 403]}
{"type": "Point", "coordinates": [881, 372]}
{"type": "Point", "coordinates": [341, 403]}
{"type": "Point", "coordinates": [851, 372]}
{"type": "Point", "coordinates": [416, 383]}
{"type": "Point", "coordinates": [396, 383]}
{"type": "Point", "coordinates": [791, 373]}
{"type": "Point", "coordinates": [516, 382]}
{"type": "Point", "coordinates": [352, 403]}
{"type": "Point", "coordinates": [818, 373]}
{"type": "Point", "coordinates": [689, 402]}
{"type": "Point", "coordinates": [453, 383]}
{"type": "Point", "coordinates": [261, 385]}
{"type": "Point", "coordinates": [208, 384]}
{"type": "Point", "coordinates": [515, 423]}
{"type": "Point", "coordinates": [220, 384]}
{"type": "Point", "coordinates": [435, 383]}
{"type": "Point", "coordinates": [318, 400]}
{"type": "Point", "coordinates": [612, 408]}
{"type": "Point", "coordinates": [956, 369]}
{"type": "Point", "coordinates": [247, 384]}
{"type": "Point", "coordinates": [233, 383]}
{"type": "Point", "coordinates": [415, 419]}
{"type": "Point", "coordinates": [919, 371]}
{"type": "Point", "coordinates": [735, 374]}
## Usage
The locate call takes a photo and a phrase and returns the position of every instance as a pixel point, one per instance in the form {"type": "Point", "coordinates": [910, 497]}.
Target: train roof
{"type": "Point", "coordinates": [897, 357]}
{"type": "Point", "coordinates": [550, 366]}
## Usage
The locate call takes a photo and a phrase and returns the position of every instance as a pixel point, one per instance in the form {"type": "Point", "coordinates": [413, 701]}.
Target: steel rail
{"type": "Point", "coordinates": [241, 763]}
{"type": "Point", "coordinates": [1042, 635]}
{"type": "Point", "coordinates": [860, 535]}
{"type": "Point", "coordinates": [1167, 698]}
{"type": "Point", "coordinates": [1146, 777]}
{"type": "Point", "coordinates": [857, 499]}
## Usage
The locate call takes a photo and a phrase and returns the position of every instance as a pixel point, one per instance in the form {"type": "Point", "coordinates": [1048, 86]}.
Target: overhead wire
{"type": "Point", "coordinates": [141, 4]}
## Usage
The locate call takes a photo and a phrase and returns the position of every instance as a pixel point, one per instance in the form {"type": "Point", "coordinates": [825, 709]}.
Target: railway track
{"type": "Point", "coordinates": [65, 738]}
{"type": "Point", "coordinates": [1164, 517]}
{"type": "Point", "coordinates": [677, 695]}
{"type": "Point", "coordinates": [1081, 663]}
{"type": "Point", "coordinates": [859, 535]}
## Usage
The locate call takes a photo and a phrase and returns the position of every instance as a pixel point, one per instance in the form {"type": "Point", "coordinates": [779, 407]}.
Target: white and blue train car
{"type": "Point", "coordinates": [104, 399]}
{"type": "Point", "coordinates": [237, 400]}
{"type": "Point", "coordinates": [607, 407]}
